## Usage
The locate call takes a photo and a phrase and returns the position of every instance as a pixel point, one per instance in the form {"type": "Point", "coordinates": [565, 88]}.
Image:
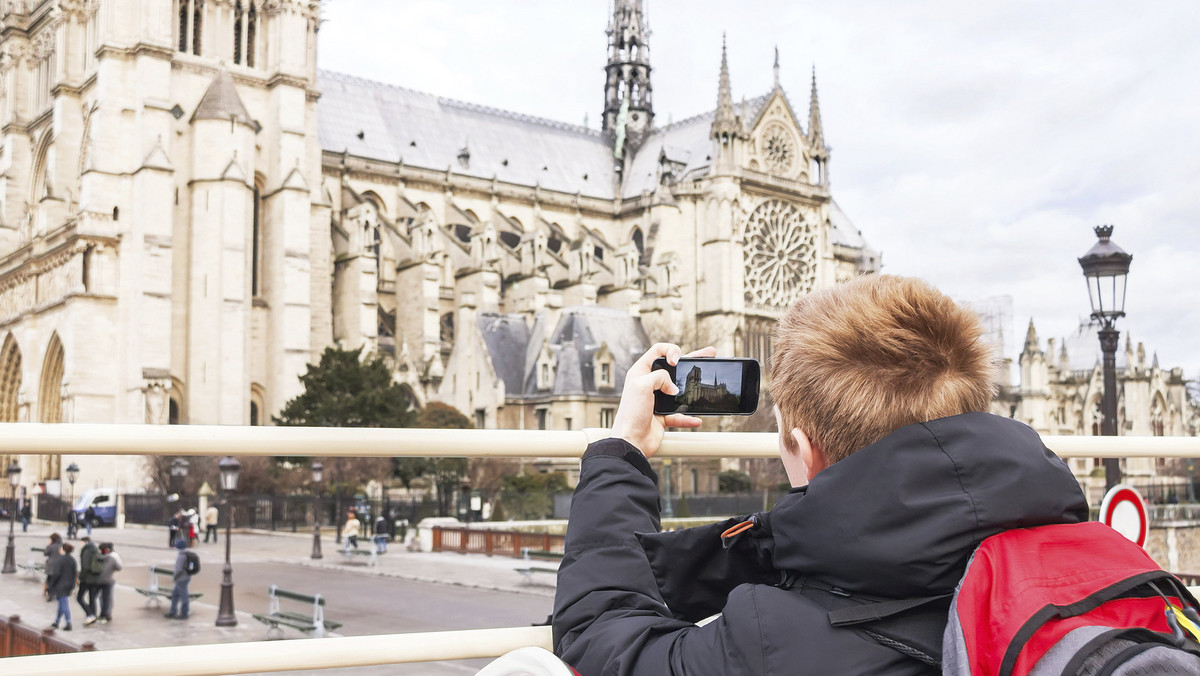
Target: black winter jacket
{"type": "Point", "coordinates": [60, 576]}
{"type": "Point", "coordinates": [897, 519]}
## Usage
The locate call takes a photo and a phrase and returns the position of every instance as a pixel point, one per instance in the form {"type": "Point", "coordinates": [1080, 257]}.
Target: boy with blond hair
{"type": "Point", "coordinates": [881, 387]}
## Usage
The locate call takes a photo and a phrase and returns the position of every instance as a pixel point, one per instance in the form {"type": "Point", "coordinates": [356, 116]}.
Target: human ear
{"type": "Point", "coordinates": [810, 454]}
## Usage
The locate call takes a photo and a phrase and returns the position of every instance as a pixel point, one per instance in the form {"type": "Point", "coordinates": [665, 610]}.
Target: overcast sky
{"type": "Point", "coordinates": [975, 144]}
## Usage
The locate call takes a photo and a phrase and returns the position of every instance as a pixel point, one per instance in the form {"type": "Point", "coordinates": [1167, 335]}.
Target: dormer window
{"type": "Point", "coordinates": [606, 375]}
{"type": "Point", "coordinates": [544, 376]}
{"type": "Point", "coordinates": [602, 362]}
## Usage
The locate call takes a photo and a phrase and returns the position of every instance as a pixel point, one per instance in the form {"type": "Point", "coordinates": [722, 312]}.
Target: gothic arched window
{"type": "Point", "coordinates": [10, 380]}
{"type": "Point", "coordinates": [191, 24]}
{"type": "Point", "coordinates": [245, 29]}
{"type": "Point", "coordinates": [50, 391]}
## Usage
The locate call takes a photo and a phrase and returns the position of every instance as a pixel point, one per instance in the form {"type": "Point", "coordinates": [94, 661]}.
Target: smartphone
{"type": "Point", "coordinates": [709, 386]}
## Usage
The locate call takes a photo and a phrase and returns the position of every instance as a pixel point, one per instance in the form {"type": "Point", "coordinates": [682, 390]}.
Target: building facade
{"type": "Point", "coordinates": [190, 212]}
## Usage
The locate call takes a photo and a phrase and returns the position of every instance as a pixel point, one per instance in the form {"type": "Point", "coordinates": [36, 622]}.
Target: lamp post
{"type": "Point", "coordinates": [1106, 268]}
{"type": "Point", "coordinates": [179, 472]}
{"type": "Point", "coordinates": [72, 517]}
{"type": "Point", "coordinates": [10, 555]}
{"type": "Point", "coordinates": [318, 473]}
{"type": "Point", "coordinates": [229, 467]}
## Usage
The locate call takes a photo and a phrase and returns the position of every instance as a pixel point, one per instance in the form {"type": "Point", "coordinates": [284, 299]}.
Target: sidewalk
{"type": "Point", "coordinates": [140, 546]}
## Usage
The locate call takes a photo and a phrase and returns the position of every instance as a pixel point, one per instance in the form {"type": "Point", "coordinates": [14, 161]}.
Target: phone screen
{"type": "Point", "coordinates": [710, 387]}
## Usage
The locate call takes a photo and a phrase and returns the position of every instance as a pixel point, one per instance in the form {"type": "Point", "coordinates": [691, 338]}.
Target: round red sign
{"type": "Point", "coordinates": [1124, 510]}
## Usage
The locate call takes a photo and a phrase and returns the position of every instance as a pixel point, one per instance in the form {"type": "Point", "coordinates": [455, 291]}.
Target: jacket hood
{"type": "Point", "coordinates": [903, 515]}
{"type": "Point", "coordinates": [899, 518]}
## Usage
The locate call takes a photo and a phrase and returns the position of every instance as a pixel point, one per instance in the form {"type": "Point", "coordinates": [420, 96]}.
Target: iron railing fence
{"type": "Point", "coordinates": [18, 639]}
{"type": "Point", "coordinates": [202, 660]}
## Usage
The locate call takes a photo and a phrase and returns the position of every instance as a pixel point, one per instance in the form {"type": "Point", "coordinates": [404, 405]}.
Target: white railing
{"type": "Point", "coordinates": [240, 658]}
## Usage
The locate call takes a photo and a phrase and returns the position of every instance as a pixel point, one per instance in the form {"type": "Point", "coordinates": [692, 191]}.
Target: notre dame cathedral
{"type": "Point", "coordinates": [190, 212]}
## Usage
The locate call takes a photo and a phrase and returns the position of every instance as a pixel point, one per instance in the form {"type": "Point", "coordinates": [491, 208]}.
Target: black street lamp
{"type": "Point", "coordinates": [1106, 268]}
{"type": "Point", "coordinates": [229, 467]}
{"type": "Point", "coordinates": [179, 472]}
{"type": "Point", "coordinates": [72, 517]}
{"type": "Point", "coordinates": [318, 473]}
{"type": "Point", "coordinates": [10, 554]}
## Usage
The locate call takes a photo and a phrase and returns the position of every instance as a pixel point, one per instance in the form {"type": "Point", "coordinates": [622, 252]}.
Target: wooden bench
{"type": "Point", "coordinates": [36, 565]}
{"type": "Point", "coordinates": [155, 593]}
{"type": "Point", "coordinates": [528, 569]}
{"type": "Point", "coordinates": [373, 561]}
{"type": "Point", "coordinates": [314, 622]}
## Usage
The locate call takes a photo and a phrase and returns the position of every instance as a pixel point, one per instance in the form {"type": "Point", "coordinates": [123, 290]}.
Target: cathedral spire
{"type": "Point", "coordinates": [725, 124]}
{"type": "Point", "coordinates": [816, 137]}
{"type": "Point", "coordinates": [628, 101]}
{"type": "Point", "coordinates": [1031, 339]}
{"type": "Point", "coordinates": [776, 67]}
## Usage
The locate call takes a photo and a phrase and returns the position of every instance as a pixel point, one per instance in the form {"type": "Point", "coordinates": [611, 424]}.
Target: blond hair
{"type": "Point", "coordinates": [856, 361]}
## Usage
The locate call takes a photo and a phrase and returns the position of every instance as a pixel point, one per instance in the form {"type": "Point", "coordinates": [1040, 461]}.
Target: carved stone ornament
{"type": "Point", "coordinates": [779, 149]}
{"type": "Point", "coordinates": [780, 255]}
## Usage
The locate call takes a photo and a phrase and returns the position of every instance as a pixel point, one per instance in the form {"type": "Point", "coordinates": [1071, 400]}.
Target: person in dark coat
{"type": "Point", "coordinates": [60, 582]}
{"type": "Point", "coordinates": [89, 518]}
{"type": "Point", "coordinates": [180, 600]}
{"type": "Point", "coordinates": [881, 387]}
{"type": "Point", "coordinates": [88, 588]}
{"type": "Point", "coordinates": [26, 516]}
{"type": "Point", "coordinates": [174, 525]}
{"type": "Point", "coordinates": [51, 551]}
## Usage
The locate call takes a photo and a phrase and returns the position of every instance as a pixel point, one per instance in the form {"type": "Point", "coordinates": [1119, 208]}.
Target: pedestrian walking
{"type": "Point", "coordinates": [110, 564]}
{"type": "Point", "coordinates": [380, 535]}
{"type": "Point", "coordinates": [350, 532]}
{"type": "Point", "coordinates": [60, 582]}
{"type": "Point", "coordinates": [26, 515]}
{"type": "Point", "coordinates": [89, 573]}
{"type": "Point", "coordinates": [180, 601]}
{"type": "Point", "coordinates": [72, 524]}
{"type": "Point", "coordinates": [173, 526]}
{"type": "Point", "coordinates": [89, 518]}
{"type": "Point", "coordinates": [192, 527]}
{"type": "Point", "coordinates": [210, 524]}
{"type": "Point", "coordinates": [52, 551]}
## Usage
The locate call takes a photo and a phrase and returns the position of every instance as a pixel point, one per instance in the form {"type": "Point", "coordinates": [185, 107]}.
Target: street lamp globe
{"type": "Point", "coordinates": [1106, 269]}
{"type": "Point", "coordinates": [14, 474]}
{"type": "Point", "coordinates": [229, 467]}
{"type": "Point", "coordinates": [72, 473]}
{"type": "Point", "coordinates": [179, 468]}
{"type": "Point", "coordinates": [318, 472]}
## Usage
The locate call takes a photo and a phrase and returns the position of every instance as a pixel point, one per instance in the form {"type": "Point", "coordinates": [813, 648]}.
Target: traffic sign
{"type": "Point", "coordinates": [1124, 510]}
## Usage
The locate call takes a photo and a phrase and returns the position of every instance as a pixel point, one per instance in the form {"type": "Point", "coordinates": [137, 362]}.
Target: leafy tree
{"type": "Point", "coordinates": [734, 481]}
{"type": "Point", "coordinates": [531, 496]}
{"type": "Point", "coordinates": [447, 473]}
{"type": "Point", "coordinates": [344, 390]}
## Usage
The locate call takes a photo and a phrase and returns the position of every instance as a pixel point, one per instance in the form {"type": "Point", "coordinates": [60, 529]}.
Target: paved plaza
{"type": "Point", "coordinates": [406, 592]}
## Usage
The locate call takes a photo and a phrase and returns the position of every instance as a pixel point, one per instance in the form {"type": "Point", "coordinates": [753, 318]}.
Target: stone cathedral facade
{"type": "Point", "coordinates": [190, 212]}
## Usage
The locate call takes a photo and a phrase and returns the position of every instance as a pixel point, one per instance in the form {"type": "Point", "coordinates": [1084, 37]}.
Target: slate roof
{"type": "Point", "coordinates": [513, 347]}
{"type": "Point", "coordinates": [431, 132]}
{"type": "Point", "coordinates": [844, 231]}
{"type": "Point", "coordinates": [221, 102]}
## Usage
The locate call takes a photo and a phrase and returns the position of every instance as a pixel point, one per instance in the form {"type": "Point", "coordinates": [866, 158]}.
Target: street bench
{"type": "Point", "coordinates": [35, 566]}
{"type": "Point", "coordinates": [314, 622]}
{"type": "Point", "coordinates": [155, 593]}
{"type": "Point", "coordinates": [528, 557]}
{"type": "Point", "coordinates": [370, 552]}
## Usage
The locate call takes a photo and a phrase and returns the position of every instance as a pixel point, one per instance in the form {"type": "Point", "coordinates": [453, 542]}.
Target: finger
{"type": "Point", "coordinates": [681, 420]}
{"type": "Point", "coordinates": [658, 380]}
{"type": "Point", "coordinates": [709, 351]}
{"type": "Point", "coordinates": [668, 350]}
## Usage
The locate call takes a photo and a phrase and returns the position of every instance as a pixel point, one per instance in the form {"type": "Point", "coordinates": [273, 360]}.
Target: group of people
{"type": "Point", "coordinates": [73, 519]}
{"type": "Point", "coordinates": [185, 525]}
{"type": "Point", "coordinates": [92, 575]}
{"type": "Point", "coordinates": [381, 532]}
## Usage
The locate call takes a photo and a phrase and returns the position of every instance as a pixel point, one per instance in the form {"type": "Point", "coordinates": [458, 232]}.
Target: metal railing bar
{"type": "Point", "coordinates": [94, 439]}
{"type": "Point", "coordinates": [308, 653]}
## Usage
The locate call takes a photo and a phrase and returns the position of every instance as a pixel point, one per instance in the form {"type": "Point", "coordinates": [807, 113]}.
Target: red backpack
{"type": "Point", "coordinates": [1069, 599]}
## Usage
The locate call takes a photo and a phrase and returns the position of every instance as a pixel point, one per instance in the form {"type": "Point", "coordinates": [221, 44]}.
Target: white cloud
{"type": "Point", "coordinates": [975, 144]}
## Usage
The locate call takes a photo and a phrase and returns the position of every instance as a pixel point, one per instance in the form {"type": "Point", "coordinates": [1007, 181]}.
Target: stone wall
{"type": "Point", "coordinates": [1176, 546]}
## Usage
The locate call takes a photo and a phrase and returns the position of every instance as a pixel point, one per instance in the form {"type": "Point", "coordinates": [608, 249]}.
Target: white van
{"type": "Point", "coordinates": [103, 502]}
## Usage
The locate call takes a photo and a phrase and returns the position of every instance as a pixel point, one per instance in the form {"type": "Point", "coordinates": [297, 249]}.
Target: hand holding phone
{"type": "Point", "coordinates": [636, 421]}
{"type": "Point", "coordinates": [709, 386]}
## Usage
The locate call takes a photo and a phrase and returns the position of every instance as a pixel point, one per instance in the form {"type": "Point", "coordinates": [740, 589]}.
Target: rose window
{"type": "Point", "coordinates": [780, 255]}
